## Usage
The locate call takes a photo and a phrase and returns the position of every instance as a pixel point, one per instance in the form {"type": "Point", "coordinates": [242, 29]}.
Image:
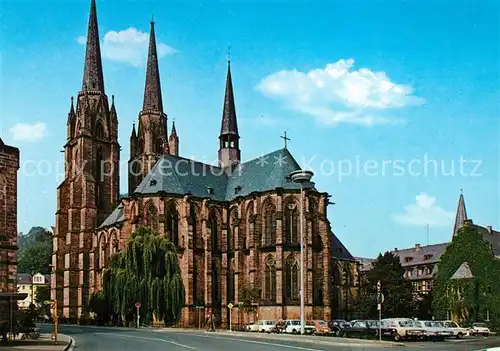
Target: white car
{"type": "Point", "coordinates": [292, 326]}
{"type": "Point", "coordinates": [479, 329]}
{"type": "Point", "coordinates": [266, 326]}
{"type": "Point", "coordinates": [455, 329]}
{"type": "Point", "coordinates": [253, 327]}
{"type": "Point", "coordinates": [435, 330]}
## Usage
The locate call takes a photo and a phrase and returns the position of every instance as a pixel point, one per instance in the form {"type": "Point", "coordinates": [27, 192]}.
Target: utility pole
{"type": "Point", "coordinates": [138, 306]}
{"type": "Point", "coordinates": [379, 307]}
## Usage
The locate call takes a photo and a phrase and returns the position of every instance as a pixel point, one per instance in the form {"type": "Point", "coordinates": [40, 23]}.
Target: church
{"type": "Point", "coordinates": [235, 224]}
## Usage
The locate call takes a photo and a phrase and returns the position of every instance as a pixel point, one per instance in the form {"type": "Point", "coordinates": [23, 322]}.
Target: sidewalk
{"type": "Point", "coordinates": [310, 339]}
{"type": "Point", "coordinates": [43, 343]}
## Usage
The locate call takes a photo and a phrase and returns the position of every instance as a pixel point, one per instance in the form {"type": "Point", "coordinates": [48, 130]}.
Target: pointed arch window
{"type": "Point", "coordinates": [234, 232]}
{"type": "Point", "coordinates": [269, 225]}
{"type": "Point", "coordinates": [152, 217]}
{"type": "Point", "coordinates": [214, 228]}
{"type": "Point", "coordinates": [292, 280]}
{"type": "Point", "coordinates": [159, 146]}
{"type": "Point", "coordinates": [249, 227]}
{"type": "Point", "coordinates": [98, 176]}
{"type": "Point", "coordinates": [291, 224]}
{"type": "Point", "coordinates": [232, 282]}
{"type": "Point", "coordinates": [313, 211]}
{"type": "Point", "coordinates": [197, 242]}
{"type": "Point", "coordinates": [99, 130]}
{"type": "Point", "coordinates": [172, 224]}
{"type": "Point", "coordinates": [270, 279]}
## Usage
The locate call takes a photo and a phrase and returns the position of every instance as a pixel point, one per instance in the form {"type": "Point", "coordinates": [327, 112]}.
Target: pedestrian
{"type": "Point", "coordinates": [213, 322]}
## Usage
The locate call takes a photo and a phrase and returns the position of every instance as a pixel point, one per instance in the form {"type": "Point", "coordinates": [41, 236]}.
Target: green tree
{"type": "Point", "coordinates": [36, 258]}
{"type": "Point", "coordinates": [42, 294]}
{"type": "Point", "coordinates": [398, 295]}
{"type": "Point", "coordinates": [478, 297]}
{"type": "Point", "coordinates": [248, 296]}
{"type": "Point", "coordinates": [146, 271]}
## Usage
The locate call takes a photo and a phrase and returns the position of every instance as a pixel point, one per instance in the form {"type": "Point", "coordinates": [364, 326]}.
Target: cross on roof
{"type": "Point", "coordinates": [285, 138]}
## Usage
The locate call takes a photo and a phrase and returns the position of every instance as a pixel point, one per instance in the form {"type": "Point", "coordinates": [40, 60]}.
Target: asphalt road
{"type": "Point", "coordinates": [124, 339]}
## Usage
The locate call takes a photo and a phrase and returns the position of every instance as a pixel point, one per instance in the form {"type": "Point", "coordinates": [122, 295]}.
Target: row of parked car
{"type": "Point", "coordinates": [391, 328]}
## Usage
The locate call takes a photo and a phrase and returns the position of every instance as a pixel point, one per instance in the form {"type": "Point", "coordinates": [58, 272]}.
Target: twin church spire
{"type": "Point", "coordinates": [93, 79]}
{"type": "Point", "coordinates": [150, 140]}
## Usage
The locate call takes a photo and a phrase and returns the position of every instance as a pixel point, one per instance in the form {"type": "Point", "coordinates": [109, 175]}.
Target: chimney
{"type": "Point", "coordinates": [417, 247]}
{"type": "Point", "coordinates": [490, 229]}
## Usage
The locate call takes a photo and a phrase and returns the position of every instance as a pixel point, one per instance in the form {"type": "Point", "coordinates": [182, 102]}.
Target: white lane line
{"type": "Point", "coordinates": [145, 338]}
{"type": "Point", "coordinates": [260, 343]}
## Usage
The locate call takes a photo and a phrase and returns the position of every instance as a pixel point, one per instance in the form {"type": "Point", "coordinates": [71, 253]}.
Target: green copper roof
{"type": "Point", "coordinates": [179, 176]}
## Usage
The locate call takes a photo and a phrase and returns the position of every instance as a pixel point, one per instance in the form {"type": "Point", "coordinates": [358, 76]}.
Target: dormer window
{"type": "Point", "coordinates": [427, 257]}
{"type": "Point", "coordinates": [152, 182]}
{"type": "Point", "coordinates": [408, 259]}
{"type": "Point", "coordinates": [237, 189]}
{"type": "Point", "coordinates": [210, 190]}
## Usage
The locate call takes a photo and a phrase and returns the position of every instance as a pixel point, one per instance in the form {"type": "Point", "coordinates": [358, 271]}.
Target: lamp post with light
{"type": "Point", "coordinates": [301, 176]}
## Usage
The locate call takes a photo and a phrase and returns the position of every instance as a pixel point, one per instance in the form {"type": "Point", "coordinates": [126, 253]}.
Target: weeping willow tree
{"type": "Point", "coordinates": [146, 271]}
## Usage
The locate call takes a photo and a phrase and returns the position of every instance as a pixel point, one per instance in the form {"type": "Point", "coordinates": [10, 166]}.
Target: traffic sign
{"type": "Point", "coordinates": [137, 305]}
{"type": "Point", "coordinates": [230, 305]}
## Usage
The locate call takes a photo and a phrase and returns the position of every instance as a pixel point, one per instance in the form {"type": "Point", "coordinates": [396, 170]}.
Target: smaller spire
{"type": "Point", "coordinates": [72, 108]}
{"type": "Point", "coordinates": [461, 215]}
{"type": "Point", "coordinates": [113, 109]}
{"type": "Point", "coordinates": [229, 123]}
{"type": "Point", "coordinates": [134, 134]}
{"type": "Point", "coordinates": [174, 131]}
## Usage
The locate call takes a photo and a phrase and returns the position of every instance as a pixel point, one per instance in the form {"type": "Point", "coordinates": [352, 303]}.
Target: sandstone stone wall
{"type": "Point", "coordinates": [9, 165]}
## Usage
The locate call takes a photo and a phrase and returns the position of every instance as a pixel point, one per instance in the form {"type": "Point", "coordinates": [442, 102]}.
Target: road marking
{"type": "Point", "coordinates": [145, 338]}
{"type": "Point", "coordinates": [260, 343]}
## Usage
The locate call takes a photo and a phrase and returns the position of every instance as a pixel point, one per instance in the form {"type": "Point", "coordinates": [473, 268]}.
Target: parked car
{"type": "Point", "coordinates": [337, 325]}
{"type": "Point", "coordinates": [479, 329]}
{"type": "Point", "coordinates": [293, 326]}
{"type": "Point", "coordinates": [405, 328]}
{"type": "Point", "coordinates": [456, 330]}
{"type": "Point", "coordinates": [253, 327]}
{"type": "Point", "coordinates": [388, 330]}
{"type": "Point", "coordinates": [322, 327]}
{"type": "Point", "coordinates": [266, 326]}
{"type": "Point", "coordinates": [359, 329]}
{"type": "Point", "coordinates": [434, 330]}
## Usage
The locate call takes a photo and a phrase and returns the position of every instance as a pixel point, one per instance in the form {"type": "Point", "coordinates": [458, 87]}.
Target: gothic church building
{"type": "Point", "coordinates": [235, 225]}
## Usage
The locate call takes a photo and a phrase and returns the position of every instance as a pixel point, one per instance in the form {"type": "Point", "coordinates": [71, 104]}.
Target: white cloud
{"type": "Point", "coordinates": [425, 211]}
{"type": "Point", "coordinates": [28, 132]}
{"type": "Point", "coordinates": [81, 39]}
{"type": "Point", "coordinates": [340, 94]}
{"type": "Point", "coordinates": [129, 46]}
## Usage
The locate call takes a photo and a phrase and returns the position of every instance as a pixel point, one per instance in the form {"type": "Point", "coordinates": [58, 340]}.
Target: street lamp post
{"type": "Point", "coordinates": [301, 176]}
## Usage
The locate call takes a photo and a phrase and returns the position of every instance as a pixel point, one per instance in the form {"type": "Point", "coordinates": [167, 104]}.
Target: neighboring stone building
{"type": "Point", "coordinates": [9, 165]}
{"type": "Point", "coordinates": [235, 225]}
{"type": "Point", "coordinates": [29, 284]}
{"type": "Point", "coordinates": [420, 262]}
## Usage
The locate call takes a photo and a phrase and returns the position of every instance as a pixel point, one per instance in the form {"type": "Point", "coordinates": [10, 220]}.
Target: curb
{"type": "Point", "coordinates": [70, 343]}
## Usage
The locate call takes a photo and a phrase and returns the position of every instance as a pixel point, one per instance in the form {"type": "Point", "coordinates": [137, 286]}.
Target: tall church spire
{"type": "Point", "coordinates": [92, 73]}
{"type": "Point", "coordinates": [461, 215]}
{"type": "Point", "coordinates": [152, 89]}
{"type": "Point", "coordinates": [229, 123]}
{"type": "Point", "coordinates": [229, 150]}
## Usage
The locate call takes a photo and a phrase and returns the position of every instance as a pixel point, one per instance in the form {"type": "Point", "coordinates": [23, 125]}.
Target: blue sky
{"type": "Point", "coordinates": [350, 81]}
